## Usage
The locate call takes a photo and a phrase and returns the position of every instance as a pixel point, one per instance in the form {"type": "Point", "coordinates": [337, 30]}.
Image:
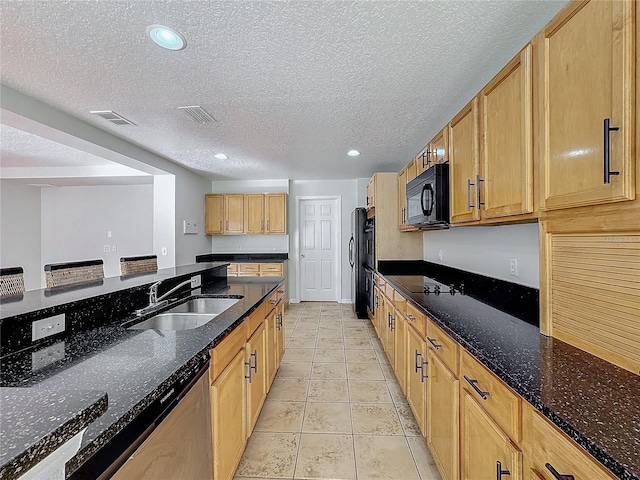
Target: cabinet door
{"type": "Point", "coordinates": [439, 147]}
{"type": "Point", "coordinates": [214, 214]}
{"type": "Point", "coordinates": [254, 213]}
{"type": "Point", "coordinates": [416, 364]}
{"type": "Point", "coordinates": [412, 170]}
{"type": "Point", "coordinates": [506, 184]}
{"type": "Point", "coordinates": [402, 199]}
{"type": "Point", "coordinates": [271, 347]}
{"type": "Point", "coordinates": [280, 333]}
{"type": "Point", "coordinates": [378, 309]}
{"type": "Point", "coordinates": [228, 402]}
{"type": "Point", "coordinates": [485, 447]}
{"type": "Point", "coordinates": [371, 188]}
{"type": "Point", "coordinates": [256, 375]}
{"type": "Point", "coordinates": [463, 158]}
{"type": "Point", "coordinates": [234, 213]}
{"type": "Point", "coordinates": [442, 417]}
{"type": "Point", "coordinates": [275, 213]}
{"type": "Point", "coordinates": [588, 51]}
{"type": "Point", "coordinates": [400, 349]}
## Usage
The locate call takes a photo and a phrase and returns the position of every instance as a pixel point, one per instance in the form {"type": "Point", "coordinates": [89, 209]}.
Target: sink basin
{"type": "Point", "coordinates": [191, 314]}
{"type": "Point", "coordinates": [174, 321]}
{"type": "Point", "coordinates": [205, 305]}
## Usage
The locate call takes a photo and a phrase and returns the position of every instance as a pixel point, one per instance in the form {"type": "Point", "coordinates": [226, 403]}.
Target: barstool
{"type": "Point", "coordinates": [136, 265]}
{"type": "Point", "coordinates": [11, 281]}
{"type": "Point", "coordinates": [73, 273]}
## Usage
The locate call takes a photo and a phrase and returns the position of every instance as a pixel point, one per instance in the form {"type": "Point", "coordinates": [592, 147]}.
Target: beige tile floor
{"type": "Point", "coordinates": [335, 409]}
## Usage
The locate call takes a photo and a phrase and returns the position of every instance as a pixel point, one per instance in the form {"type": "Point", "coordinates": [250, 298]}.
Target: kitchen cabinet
{"type": "Point", "coordinates": [271, 269]}
{"type": "Point", "coordinates": [228, 401]}
{"type": "Point", "coordinates": [271, 323]}
{"type": "Point", "coordinates": [402, 199]}
{"type": "Point", "coordinates": [371, 191]}
{"type": "Point", "coordinates": [180, 447]}
{"type": "Point", "coordinates": [256, 363]}
{"type": "Point", "coordinates": [438, 149]}
{"type": "Point", "coordinates": [505, 186]}
{"type": "Point", "coordinates": [463, 160]}
{"type": "Point", "coordinates": [416, 365]}
{"type": "Point", "coordinates": [550, 451]}
{"type": "Point", "coordinates": [246, 213]}
{"type": "Point", "coordinates": [412, 170]}
{"type": "Point", "coordinates": [400, 340]}
{"type": "Point", "coordinates": [422, 160]}
{"type": "Point", "coordinates": [588, 116]}
{"type": "Point", "coordinates": [486, 451]}
{"type": "Point", "coordinates": [379, 307]}
{"type": "Point", "coordinates": [253, 213]}
{"type": "Point", "coordinates": [280, 340]}
{"type": "Point", "coordinates": [275, 213]}
{"type": "Point", "coordinates": [234, 213]}
{"type": "Point", "coordinates": [214, 214]}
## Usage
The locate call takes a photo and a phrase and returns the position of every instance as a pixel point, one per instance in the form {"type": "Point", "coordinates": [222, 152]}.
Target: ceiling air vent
{"type": "Point", "coordinates": [112, 117]}
{"type": "Point", "coordinates": [198, 113]}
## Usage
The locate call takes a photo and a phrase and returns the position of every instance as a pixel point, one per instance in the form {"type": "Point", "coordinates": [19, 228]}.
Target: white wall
{"type": "Point", "coordinates": [20, 231]}
{"type": "Point", "coordinates": [487, 250]}
{"type": "Point", "coordinates": [75, 221]}
{"type": "Point", "coordinates": [348, 191]}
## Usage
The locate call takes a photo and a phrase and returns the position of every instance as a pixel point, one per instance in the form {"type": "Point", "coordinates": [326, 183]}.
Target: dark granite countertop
{"type": "Point", "coordinates": [45, 298]}
{"type": "Point", "coordinates": [243, 257]}
{"type": "Point", "coordinates": [133, 367]}
{"type": "Point", "coordinates": [596, 403]}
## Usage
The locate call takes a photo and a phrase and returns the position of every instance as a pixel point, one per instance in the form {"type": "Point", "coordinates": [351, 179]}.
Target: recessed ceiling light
{"type": "Point", "coordinates": [353, 153]}
{"type": "Point", "coordinates": [166, 37]}
{"type": "Point", "coordinates": [220, 156]}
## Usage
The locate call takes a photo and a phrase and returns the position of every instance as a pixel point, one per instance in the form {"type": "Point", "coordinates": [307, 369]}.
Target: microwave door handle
{"type": "Point", "coordinates": [424, 188]}
{"type": "Point", "coordinates": [432, 201]}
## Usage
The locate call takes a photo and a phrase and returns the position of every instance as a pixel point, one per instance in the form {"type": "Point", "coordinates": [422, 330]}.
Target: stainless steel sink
{"type": "Point", "coordinates": [174, 321]}
{"type": "Point", "coordinates": [191, 314]}
{"type": "Point", "coordinates": [205, 305]}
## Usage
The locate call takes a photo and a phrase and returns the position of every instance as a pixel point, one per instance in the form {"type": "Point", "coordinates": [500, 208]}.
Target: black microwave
{"type": "Point", "coordinates": [428, 198]}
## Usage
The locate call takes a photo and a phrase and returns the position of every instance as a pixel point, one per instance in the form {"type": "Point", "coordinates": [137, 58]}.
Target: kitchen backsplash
{"type": "Point", "coordinates": [250, 244]}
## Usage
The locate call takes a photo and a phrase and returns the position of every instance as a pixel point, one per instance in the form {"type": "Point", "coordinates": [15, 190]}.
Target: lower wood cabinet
{"type": "Point", "coordinates": [416, 367]}
{"type": "Point", "coordinates": [487, 452]}
{"type": "Point", "coordinates": [256, 363]}
{"type": "Point", "coordinates": [442, 423]}
{"type": "Point", "coordinates": [229, 424]}
{"type": "Point", "coordinates": [400, 349]}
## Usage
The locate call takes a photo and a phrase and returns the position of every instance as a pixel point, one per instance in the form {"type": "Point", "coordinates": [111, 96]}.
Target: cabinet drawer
{"type": "Point", "coordinates": [232, 268]}
{"type": "Point", "coordinates": [400, 302]}
{"type": "Point", "coordinates": [253, 268]}
{"type": "Point", "coordinates": [551, 447]}
{"type": "Point", "coordinates": [388, 291]}
{"type": "Point", "coordinates": [444, 346]}
{"type": "Point", "coordinates": [225, 351]}
{"type": "Point", "coordinates": [281, 290]}
{"type": "Point", "coordinates": [256, 318]}
{"type": "Point", "coordinates": [270, 269]}
{"type": "Point", "coordinates": [494, 396]}
{"type": "Point", "coordinates": [416, 319]}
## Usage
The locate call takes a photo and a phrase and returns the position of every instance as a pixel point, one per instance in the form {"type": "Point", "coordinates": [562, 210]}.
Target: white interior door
{"type": "Point", "coordinates": [319, 251]}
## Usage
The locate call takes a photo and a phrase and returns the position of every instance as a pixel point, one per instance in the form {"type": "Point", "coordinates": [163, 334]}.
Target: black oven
{"type": "Point", "coordinates": [428, 198]}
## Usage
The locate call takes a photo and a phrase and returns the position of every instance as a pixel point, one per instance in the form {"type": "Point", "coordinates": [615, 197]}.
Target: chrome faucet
{"type": "Point", "coordinates": [156, 302]}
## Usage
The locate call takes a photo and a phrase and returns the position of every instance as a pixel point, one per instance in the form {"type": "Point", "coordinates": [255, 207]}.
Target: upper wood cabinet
{"type": "Point", "coordinates": [234, 213]}
{"type": "Point", "coordinates": [505, 186]}
{"type": "Point", "coordinates": [412, 170]}
{"type": "Point", "coordinates": [275, 212]}
{"type": "Point", "coordinates": [439, 148]}
{"type": "Point", "coordinates": [214, 214]}
{"type": "Point", "coordinates": [371, 189]}
{"type": "Point", "coordinates": [463, 160]}
{"type": "Point", "coordinates": [588, 112]}
{"type": "Point", "coordinates": [254, 213]}
{"type": "Point", "coordinates": [402, 199]}
{"type": "Point", "coordinates": [246, 213]}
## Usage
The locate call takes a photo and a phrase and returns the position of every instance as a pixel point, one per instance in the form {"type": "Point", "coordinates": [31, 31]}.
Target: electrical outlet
{"type": "Point", "coordinates": [239, 247]}
{"type": "Point", "coordinates": [114, 248]}
{"type": "Point", "coordinates": [196, 281]}
{"type": "Point", "coordinates": [513, 266]}
{"type": "Point", "coordinates": [47, 356]}
{"type": "Point", "coordinates": [163, 251]}
{"type": "Point", "coordinates": [106, 248]}
{"type": "Point", "coordinates": [440, 254]}
{"type": "Point", "coordinates": [47, 326]}
{"type": "Point", "coordinates": [108, 233]}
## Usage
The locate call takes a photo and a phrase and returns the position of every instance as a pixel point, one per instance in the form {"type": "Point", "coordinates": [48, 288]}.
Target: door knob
{"type": "Point", "coordinates": [301, 256]}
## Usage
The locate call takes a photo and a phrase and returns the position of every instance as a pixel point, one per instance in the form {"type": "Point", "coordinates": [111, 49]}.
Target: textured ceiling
{"type": "Point", "coordinates": [292, 85]}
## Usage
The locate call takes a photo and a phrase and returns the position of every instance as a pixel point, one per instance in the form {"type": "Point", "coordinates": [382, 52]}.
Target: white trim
{"type": "Point", "coordinates": [294, 300]}
{"type": "Point", "coordinates": [338, 239]}
{"type": "Point", "coordinates": [347, 300]}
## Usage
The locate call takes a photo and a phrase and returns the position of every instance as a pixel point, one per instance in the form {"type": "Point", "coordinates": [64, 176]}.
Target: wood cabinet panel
{"type": "Point", "coordinates": [225, 351]}
{"type": "Point", "coordinates": [256, 363]}
{"type": "Point", "coordinates": [254, 213]}
{"type": "Point", "coordinates": [442, 417]}
{"type": "Point", "coordinates": [234, 213]}
{"type": "Point", "coordinates": [271, 269]}
{"type": "Point", "coordinates": [402, 199]}
{"type": "Point", "coordinates": [443, 345]}
{"type": "Point", "coordinates": [588, 62]}
{"type": "Point", "coordinates": [416, 365]}
{"type": "Point", "coordinates": [506, 185]}
{"type": "Point", "coordinates": [228, 403]}
{"type": "Point", "coordinates": [271, 346]}
{"type": "Point", "coordinates": [498, 400]}
{"type": "Point", "coordinates": [400, 349]}
{"type": "Point", "coordinates": [416, 319]}
{"type": "Point", "coordinates": [214, 214]}
{"type": "Point", "coordinates": [483, 444]}
{"type": "Point", "coordinates": [463, 160]}
{"type": "Point", "coordinates": [439, 147]}
{"type": "Point", "coordinates": [275, 213]}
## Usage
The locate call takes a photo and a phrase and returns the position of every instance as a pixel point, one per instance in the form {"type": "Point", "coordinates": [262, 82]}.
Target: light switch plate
{"type": "Point", "coordinates": [47, 356]}
{"type": "Point", "coordinates": [190, 227]}
{"type": "Point", "coordinates": [47, 326]}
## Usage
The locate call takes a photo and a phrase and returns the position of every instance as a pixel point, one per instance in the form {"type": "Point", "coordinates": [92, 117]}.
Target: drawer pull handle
{"type": "Point", "coordinates": [252, 365]}
{"type": "Point", "coordinates": [273, 302]}
{"type": "Point", "coordinates": [469, 185]}
{"type": "Point", "coordinates": [410, 317]}
{"type": "Point", "coordinates": [433, 342]}
{"type": "Point", "coordinates": [557, 475]}
{"type": "Point", "coordinates": [607, 150]}
{"type": "Point", "coordinates": [473, 383]}
{"type": "Point", "coordinates": [500, 472]}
